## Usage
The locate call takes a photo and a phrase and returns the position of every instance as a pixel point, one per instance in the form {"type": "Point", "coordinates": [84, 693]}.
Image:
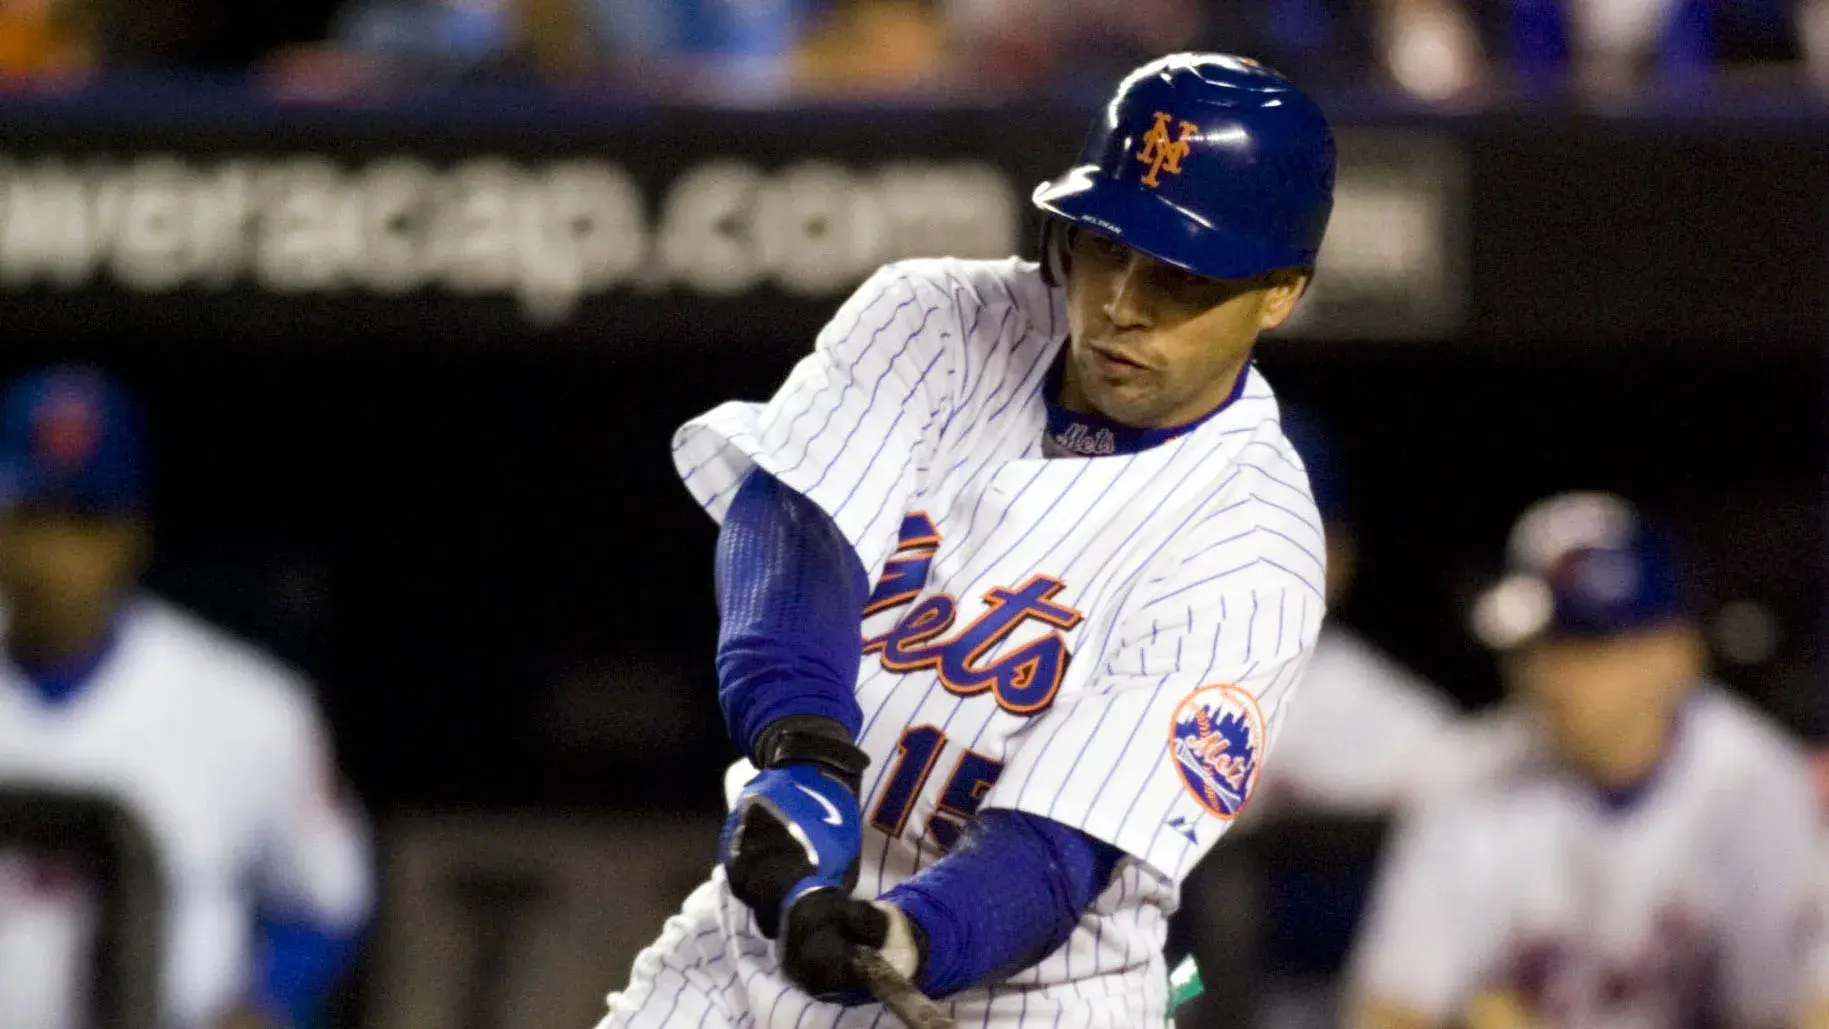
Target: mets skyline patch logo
{"type": "Point", "coordinates": [1217, 741]}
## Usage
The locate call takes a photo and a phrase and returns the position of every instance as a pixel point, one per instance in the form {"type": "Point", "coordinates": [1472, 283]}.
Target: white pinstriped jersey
{"type": "Point", "coordinates": [1519, 878]}
{"type": "Point", "coordinates": [1110, 642]}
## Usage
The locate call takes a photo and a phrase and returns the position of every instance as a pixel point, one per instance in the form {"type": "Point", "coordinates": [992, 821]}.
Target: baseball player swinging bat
{"type": "Point", "coordinates": [1016, 575]}
{"type": "Point", "coordinates": [900, 996]}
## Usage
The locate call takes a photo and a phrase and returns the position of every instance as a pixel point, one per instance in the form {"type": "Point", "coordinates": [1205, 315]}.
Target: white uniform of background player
{"type": "Point", "coordinates": [1360, 747]}
{"type": "Point", "coordinates": [214, 749]}
{"type": "Point", "coordinates": [218, 751]}
{"type": "Point", "coordinates": [1530, 894]}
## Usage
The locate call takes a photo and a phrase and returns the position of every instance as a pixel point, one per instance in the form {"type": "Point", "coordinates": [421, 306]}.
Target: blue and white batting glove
{"type": "Point", "coordinates": [795, 827]}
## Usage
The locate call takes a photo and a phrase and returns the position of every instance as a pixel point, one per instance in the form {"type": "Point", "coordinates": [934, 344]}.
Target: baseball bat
{"type": "Point", "coordinates": [910, 1005]}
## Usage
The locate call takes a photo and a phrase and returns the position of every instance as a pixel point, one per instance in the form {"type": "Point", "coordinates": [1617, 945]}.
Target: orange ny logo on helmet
{"type": "Point", "coordinates": [1161, 153]}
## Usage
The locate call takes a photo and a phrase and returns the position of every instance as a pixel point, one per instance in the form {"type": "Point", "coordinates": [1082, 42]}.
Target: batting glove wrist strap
{"type": "Point", "coordinates": [810, 739]}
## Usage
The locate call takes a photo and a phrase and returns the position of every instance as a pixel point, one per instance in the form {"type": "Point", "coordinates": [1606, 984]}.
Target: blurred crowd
{"type": "Point", "coordinates": [767, 51]}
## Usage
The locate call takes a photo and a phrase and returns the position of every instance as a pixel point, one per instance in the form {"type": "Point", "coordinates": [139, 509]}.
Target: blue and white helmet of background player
{"type": "Point", "coordinates": [72, 438]}
{"type": "Point", "coordinates": [1211, 163]}
{"type": "Point", "coordinates": [1580, 565]}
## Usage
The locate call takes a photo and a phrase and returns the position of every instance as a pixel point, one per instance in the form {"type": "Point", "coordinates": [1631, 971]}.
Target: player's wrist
{"type": "Point", "coordinates": [812, 739]}
{"type": "Point", "coordinates": [905, 943]}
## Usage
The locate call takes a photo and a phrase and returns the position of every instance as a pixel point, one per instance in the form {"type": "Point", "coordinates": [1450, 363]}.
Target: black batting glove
{"type": "Point", "coordinates": [823, 926]}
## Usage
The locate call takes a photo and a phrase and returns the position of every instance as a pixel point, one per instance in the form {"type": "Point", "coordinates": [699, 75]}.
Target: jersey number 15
{"type": "Point", "coordinates": [916, 754]}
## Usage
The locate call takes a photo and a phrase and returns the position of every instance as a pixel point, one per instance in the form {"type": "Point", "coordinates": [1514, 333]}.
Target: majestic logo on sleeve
{"type": "Point", "coordinates": [1023, 679]}
{"type": "Point", "coordinates": [1217, 742]}
{"type": "Point", "coordinates": [1161, 153]}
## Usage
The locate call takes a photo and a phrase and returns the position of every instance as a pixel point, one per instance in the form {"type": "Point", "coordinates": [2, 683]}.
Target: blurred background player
{"type": "Point", "coordinates": [214, 748]}
{"type": "Point", "coordinates": [1635, 846]}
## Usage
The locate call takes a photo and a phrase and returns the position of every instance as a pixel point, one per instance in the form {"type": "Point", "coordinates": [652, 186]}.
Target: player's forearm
{"type": "Point", "coordinates": [790, 596]}
{"type": "Point", "coordinates": [980, 922]}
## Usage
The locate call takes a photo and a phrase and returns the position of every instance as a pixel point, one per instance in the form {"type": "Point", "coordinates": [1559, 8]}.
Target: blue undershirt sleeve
{"type": "Point", "coordinates": [984, 924]}
{"type": "Point", "coordinates": [297, 965]}
{"type": "Point", "coordinates": [791, 594]}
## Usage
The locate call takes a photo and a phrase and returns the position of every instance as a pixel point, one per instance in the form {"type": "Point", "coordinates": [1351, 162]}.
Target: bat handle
{"type": "Point", "coordinates": [912, 1007]}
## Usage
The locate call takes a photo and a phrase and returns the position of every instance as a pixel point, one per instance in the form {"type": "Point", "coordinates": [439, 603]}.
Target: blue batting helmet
{"type": "Point", "coordinates": [72, 438]}
{"type": "Point", "coordinates": [1214, 164]}
{"type": "Point", "coordinates": [1581, 565]}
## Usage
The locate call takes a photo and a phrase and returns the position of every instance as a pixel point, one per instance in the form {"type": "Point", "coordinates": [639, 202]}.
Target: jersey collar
{"type": "Point", "coordinates": [1622, 800]}
{"type": "Point", "coordinates": [1093, 435]}
{"type": "Point", "coordinates": [59, 684]}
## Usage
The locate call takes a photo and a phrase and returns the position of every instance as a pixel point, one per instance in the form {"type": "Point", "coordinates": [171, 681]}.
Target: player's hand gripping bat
{"type": "Point", "coordinates": [910, 1005]}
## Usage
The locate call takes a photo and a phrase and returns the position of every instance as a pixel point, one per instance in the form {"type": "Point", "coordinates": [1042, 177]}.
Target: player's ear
{"type": "Point", "coordinates": [1282, 290]}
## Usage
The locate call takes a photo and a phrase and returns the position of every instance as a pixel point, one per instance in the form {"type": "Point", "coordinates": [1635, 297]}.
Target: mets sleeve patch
{"type": "Point", "coordinates": [1216, 741]}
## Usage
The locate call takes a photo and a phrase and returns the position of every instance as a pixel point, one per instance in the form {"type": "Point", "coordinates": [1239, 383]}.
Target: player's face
{"type": "Point", "coordinates": [1154, 346]}
{"type": "Point", "coordinates": [1608, 703]}
{"type": "Point", "coordinates": [62, 575]}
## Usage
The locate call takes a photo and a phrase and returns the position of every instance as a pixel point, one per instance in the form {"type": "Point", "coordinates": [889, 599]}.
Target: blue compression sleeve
{"type": "Point", "coordinates": [298, 965]}
{"type": "Point", "coordinates": [791, 597]}
{"type": "Point", "coordinates": [985, 924]}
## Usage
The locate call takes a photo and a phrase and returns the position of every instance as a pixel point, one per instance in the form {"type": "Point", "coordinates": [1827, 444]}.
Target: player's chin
{"type": "Point", "coordinates": [1110, 405]}
{"type": "Point", "coordinates": [1122, 398]}
{"type": "Point", "coordinates": [1131, 403]}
